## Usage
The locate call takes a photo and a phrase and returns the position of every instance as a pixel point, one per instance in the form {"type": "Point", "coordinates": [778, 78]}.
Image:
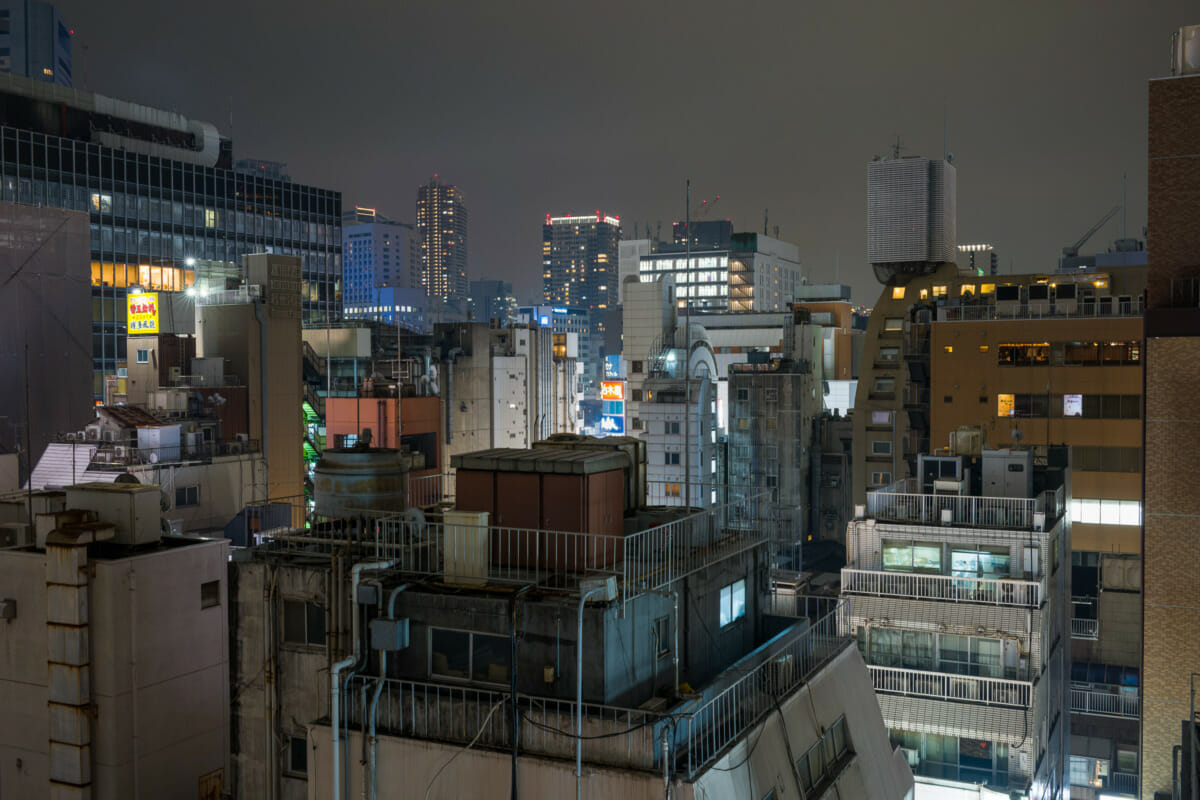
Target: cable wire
{"type": "Point", "coordinates": [470, 744]}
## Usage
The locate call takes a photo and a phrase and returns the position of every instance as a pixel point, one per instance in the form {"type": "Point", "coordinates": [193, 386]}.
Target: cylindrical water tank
{"type": "Point", "coordinates": [350, 482]}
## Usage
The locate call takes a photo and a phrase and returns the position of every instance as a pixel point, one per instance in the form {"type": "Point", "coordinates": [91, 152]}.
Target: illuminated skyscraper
{"type": "Point", "coordinates": [442, 241]}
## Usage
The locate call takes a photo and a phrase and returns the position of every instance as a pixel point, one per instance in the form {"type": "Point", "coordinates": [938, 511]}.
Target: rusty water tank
{"type": "Point", "coordinates": [352, 481]}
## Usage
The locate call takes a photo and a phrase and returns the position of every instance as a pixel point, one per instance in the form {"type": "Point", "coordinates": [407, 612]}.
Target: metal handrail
{"type": "Point", "coordinates": [953, 688]}
{"type": "Point", "coordinates": [1105, 704]}
{"type": "Point", "coordinates": [1028, 311]}
{"type": "Point", "coordinates": [945, 588]}
{"type": "Point", "coordinates": [1085, 628]}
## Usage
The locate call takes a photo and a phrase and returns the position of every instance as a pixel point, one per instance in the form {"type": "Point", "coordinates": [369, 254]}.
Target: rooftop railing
{"type": "Point", "coordinates": [900, 503]}
{"type": "Point", "coordinates": [944, 588]}
{"type": "Point", "coordinates": [700, 727]}
{"type": "Point", "coordinates": [952, 688]}
{"type": "Point", "coordinates": [1104, 704]}
{"type": "Point", "coordinates": [1132, 307]}
{"type": "Point", "coordinates": [109, 455]}
{"type": "Point", "coordinates": [1085, 628]}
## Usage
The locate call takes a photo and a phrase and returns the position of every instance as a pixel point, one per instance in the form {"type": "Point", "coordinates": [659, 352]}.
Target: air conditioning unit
{"type": "Point", "coordinates": [241, 437]}
{"type": "Point", "coordinates": [70, 437]}
{"type": "Point", "coordinates": [235, 448]}
{"type": "Point", "coordinates": [947, 516]}
{"type": "Point", "coordinates": [120, 451]}
{"type": "Point", "coordinates": [911, 755]}
{"type": "Point", "coordinates": [92, 435]}
{"type": "Point", "coordinates": [109, 436]}
{"type": "Point", "coordinates": [783, 672]}
{"type": "Point", "coordinates": [950, 488]}
{"type": "Point", "coordinates": [175, 374]}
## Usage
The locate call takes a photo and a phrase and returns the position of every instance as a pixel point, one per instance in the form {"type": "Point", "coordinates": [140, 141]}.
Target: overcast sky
{"type": "Point", "coordinates": [536, 108]}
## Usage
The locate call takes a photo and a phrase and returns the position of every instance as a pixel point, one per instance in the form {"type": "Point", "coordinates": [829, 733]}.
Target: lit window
{"type": "Point", "coordinates": [949, 348]}
{"type": "Point", "coordinates": [1005, 405]}
{"type": "Point", "coordinates": [733, 602]}
{"type": "Point", "coordinates": [898, 293]}
{"type": "Point", "coordinates": [939, 291]}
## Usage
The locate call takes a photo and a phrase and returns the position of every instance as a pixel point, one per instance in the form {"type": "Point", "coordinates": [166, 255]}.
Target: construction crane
{"type": "Point", "coordinates": [1072, 250]}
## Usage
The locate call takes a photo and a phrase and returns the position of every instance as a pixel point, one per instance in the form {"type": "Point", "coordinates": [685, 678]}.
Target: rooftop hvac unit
{"type": "Point", "coordinates": [783, 672]}
{"type": "Point", "coordinates": [92, 434]}
{"type": "Point", "coordinates": [950, 488]}
{"type": "Point", "coordinates": [109, 436]}
{"type": "Point", "coordinates": [120, 451]}
{"type": "Point", "coordinates": [241, 437]}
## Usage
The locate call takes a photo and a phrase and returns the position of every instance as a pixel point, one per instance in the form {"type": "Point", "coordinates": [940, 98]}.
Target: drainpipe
{"type": "Point", "coordinates": [349, 661]}
{"type": "Point", "coordinates": [666, 748]}
{"type": "Point", "coordinates": [512, 658]}
{"type": "Point", "coordinates": [579, 694]}
{"type": "Point", "coordinates": [262, 400]}
{"type": "Point", "coordinates": [269, 681]}
{"type": "Point", "coordinates": [133, 697]}
{"type": "Point", "coordinates": [371, 763]}
{"type": "Point", "coordinates": [454, 353]}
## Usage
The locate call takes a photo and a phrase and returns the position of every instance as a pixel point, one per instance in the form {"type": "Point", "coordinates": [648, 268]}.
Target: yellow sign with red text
{"type": "Point", "coordinates": [143, 313]}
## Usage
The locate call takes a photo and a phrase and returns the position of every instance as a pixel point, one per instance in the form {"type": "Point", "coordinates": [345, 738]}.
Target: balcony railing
{"type": "Point", "coordinates": [699, 729]}
{"type": "Point", "coordinates": [953, 688]}
{"type": "Point", "coordinates": [428, 490]}
{"type": "Point", "coordinates": [1125, 783]}
{"type": "Point", "coordinates": [1044, 310]}
{"type": "Point", "coordinates": [114, 456]}
{"type": "Point", "coordinates": [895, 504]}
{"type": "Point", "coordinates": [944, 588]}
{"type": "Point", "coordinates": [1104, 704]}
{"type": "Point", "coordinates": [1085, 628]}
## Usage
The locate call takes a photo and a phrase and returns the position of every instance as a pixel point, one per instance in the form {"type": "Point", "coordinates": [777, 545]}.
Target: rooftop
{"type": "Point", "coordinates": [902, 502]}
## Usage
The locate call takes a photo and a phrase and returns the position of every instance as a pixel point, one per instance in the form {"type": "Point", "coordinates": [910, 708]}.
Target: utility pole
{"type": "Point", "coordinates": [687, 348]}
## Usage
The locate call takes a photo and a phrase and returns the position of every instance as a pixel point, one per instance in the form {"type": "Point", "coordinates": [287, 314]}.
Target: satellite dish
{"type": "Point", "coordinates": [949, 158]}
{"type": "Point", "coordinates": [1016, 434]}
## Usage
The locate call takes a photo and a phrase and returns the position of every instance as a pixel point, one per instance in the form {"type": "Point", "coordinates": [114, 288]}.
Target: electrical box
{"type": "Point", "coordinates": [389, 634]}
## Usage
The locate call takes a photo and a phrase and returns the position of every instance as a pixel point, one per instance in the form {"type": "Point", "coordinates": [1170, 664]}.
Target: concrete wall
{"type": "Point", "coordinates": [226, 486]}
{"type": "Point", "coordinates": [159, 677]}
{"type": "Point", "coordinates": [45, 317]}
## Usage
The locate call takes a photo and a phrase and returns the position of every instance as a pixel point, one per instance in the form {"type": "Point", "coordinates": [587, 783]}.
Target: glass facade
{"type": "Point", "coordinates": [152, 219]}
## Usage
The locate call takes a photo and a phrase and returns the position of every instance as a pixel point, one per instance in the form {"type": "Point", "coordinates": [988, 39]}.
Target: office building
{"type": "Point", "coordinates": [579, 261]}
{"type": "Point", "coordinates": [491, 300]}
{"type": "Point", "coordinates": [958, 593]}
{"type": "Point", "coordinates": [577, 653]}
{"type": "Point", "coordinates": [377, 253]}
{"type": "Point", "coordinates": [114, 652]}
{"type": "Point", "coordinates": [727, 271]}
{"type": "Point", "coordinates": [1171, 611]}
{"type": "Point", "coordinates": [578, 324]}
{"type": "Point", "coordinates": [629, 258]}
{"type": "Point", "coordinates": [46, 362]}
{"type": "Point", "coordinates": [275, 170]}
{"type": "Point", "coordinates": [911, 216]}
{"type": "Point", "coordinates": [162, 199]}
{"type": "Point", "coordinates": [442, 242]}
{"type": "Point", "coordinates": [35, 41]}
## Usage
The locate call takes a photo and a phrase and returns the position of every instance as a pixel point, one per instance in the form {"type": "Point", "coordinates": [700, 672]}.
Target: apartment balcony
{"type": "Point", "coordinates": [1102, 308]}
{"type": "Point", "coordinates": [955, 688]}
{"type": "Point", "coordinates": [944, 588]}
{"type": "Point", "coordinates": [1100, 703]}
{"type": "Point", "coordinates": [1123, 783]}
{"type": "Point", "coordinates": [1088, 629]}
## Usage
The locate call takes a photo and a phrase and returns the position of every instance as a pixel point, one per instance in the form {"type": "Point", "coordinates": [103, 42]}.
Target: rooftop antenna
{"type": "Point", "coordinates": [765, 210]}
{"type": "Point", "coordinates": [1124, 205]}
{"type": "Point", "coordinates": [896, 147]}
{"type": "Point", "coordinates": [945, 125]}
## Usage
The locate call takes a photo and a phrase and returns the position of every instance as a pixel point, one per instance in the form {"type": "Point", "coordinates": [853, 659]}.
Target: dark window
{"type": "Point", "coordinates": [662, 636]}
{"type": "Point", "coordinates": [298, 755]}
{"type": "Point", "coordinates": [636, 367]}
{"type": "Point", "coordinates": [187, 496]}
{"type": "Point", "coordinates": [636, 395]}
{"type": "Point", "coordinates": [670, 458]}
{"type": "Point", "coordinates": [469, 656]}
{"type": "Point", "coordinates": [210, 594]}
{"type": "Point", "coordinates": [143, 356]}
{"type": "Point", "coordinates": [303, 622]}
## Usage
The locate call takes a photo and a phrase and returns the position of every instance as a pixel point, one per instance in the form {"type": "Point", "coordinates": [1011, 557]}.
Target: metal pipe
{"type": "Point", "coordinates": [666, 755]}
{"type": "Point", "coordinates": [269, 681]}
{"type": "Point", "coordinates": [512, 667]}
{"type": "Point", "coordinates": [349, 661]}
{"type": "Point", "coordinates": [371, 762]}
{"type": "Point", "coordinates": [1176, 780]}
{"type": "Point", "coordinates": [579, 694]}
{"type": "Point", "coordinates": [262, 356]}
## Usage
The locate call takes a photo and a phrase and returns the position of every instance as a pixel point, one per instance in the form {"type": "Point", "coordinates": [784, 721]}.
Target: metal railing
{"type": "Point", "coordinates": [429, 490]}
{"type": "Point", "coordinates": [1046, 310]}
{"type": "Point", "coordinates": [1125, 783]}
{"type": "Point", "coordinates": [944, 588]}
{"type": "Point", "coordinates": [890, 505]}
{"type": "Point", "coordinates": [1085, 628]}
{"type": "Point", "coordinates": [223, 297]}
{"type": "Point", "coordinates": [112, 455]}
{"type": "Point", "coordinates": [700, 727]}
{"type": "Point", "coordinates": [953, 688]}
{"type": "Point", "coordinates": [1104, 704]}
{"type": "Point", "coordinates": [647, 560]}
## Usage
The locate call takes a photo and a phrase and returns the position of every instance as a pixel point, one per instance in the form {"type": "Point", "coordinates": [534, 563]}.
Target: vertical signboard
{"type": "Point", "coordinates": [612, 410]}
{"type": "Point", "coordinates": [142, 312]}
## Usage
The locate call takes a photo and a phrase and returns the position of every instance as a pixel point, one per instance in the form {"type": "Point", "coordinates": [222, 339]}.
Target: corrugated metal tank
{"type": "Point", "coordinates": [350, 482]}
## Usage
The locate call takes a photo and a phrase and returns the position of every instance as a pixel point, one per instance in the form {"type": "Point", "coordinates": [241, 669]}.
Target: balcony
{"type": "Point", "coordinates": [944, 588]}
{"type": "Point", "coordinates": [1123, 783]}
{"type": "Point", "coordinates": [108, 456]}
{"type": "Point", "coordinates": [953, 688]}
{"type": "Point", "coordinates": [900, 503]}
{"type": "Point", "coordinates": [1088, 629]}
{"type": "Point", "coordinates": [1099, 703]}
{"type": "Point", "coordinates": [700, 727]}
{"type": "Point", "coordinates": [1023, 311]}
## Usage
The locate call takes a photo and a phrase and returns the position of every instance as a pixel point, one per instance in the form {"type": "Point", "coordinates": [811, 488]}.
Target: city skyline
{"type": "Point", "coordinates": [512, 131]}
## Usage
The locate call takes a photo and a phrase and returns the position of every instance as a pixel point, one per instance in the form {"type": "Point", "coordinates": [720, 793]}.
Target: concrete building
{"type": "Point", "coordinates": [35, 41]}
{"type": "Point", "coordinates": [255, 329]}
{"type": "Point", "coordinates": [774, 407]}
{"type": "Point", "coordinates": [958, 592]}
{"type": "Point", "coordinates": [114, 653]}
{"type": "Point", "coordinates": [491, 300]}
{"type": "Point", "coordinates": [275, 170]}
{"type": "Point", "coordinates": [1171, 610]}
{"type": "Point", "coordinates": [45, 363]}
{"type": "Point", "coordinates": [579, 268]}
{"type": "Point", "coordinates": [442, 242]}
{"type": "Point", "coordinates": [911, 216]}
{"type": "Point", "coordinates": [162, 198]}
{"type": "Point", "coordinates": [658, 673]}
{"type": "Point", "coordinates": [727, 271]}
{"type": "Point", "coordinates": [578, 324]}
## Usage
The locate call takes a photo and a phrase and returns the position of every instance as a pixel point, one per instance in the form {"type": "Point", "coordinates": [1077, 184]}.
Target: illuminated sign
{"type": "Point", "coordinates": [1072, 405]}
{"type": "Point", "coordinates": [612, 390]}
{"type": "Point", "coordinates": [545, 320]}
{"type": "Point", "coordinates": [612, 408]}
{"type": "Point", "coordinates": [142, 312]}
{"type": "Point", "coordinates": [560, 311]}
{"type": "Point", "coordinates": [612, 366]}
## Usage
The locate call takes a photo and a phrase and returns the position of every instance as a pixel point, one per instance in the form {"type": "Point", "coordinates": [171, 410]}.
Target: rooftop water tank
{"type": "Point", "coordinates": [351, 482]}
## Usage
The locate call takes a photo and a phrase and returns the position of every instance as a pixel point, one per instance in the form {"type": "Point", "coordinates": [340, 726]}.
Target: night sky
{"type": "Point", "coordinates": [536, 108]}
